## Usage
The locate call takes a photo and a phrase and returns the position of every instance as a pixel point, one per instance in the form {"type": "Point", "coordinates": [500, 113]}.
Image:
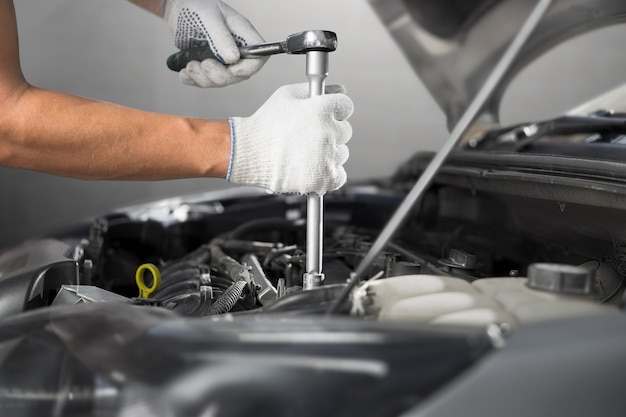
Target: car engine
{"type": "Point", "coordinates": [466, 257]}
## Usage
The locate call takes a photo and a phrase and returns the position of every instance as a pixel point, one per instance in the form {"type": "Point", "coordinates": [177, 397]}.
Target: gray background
{"type": "Point", "coordinates": [114, 51]}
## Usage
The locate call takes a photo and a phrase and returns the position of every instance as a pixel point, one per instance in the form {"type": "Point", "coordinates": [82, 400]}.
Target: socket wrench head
{"type": "Point", "coordinates": [311, 40]}
{"type": "Point", "coordinates": [298, 43]}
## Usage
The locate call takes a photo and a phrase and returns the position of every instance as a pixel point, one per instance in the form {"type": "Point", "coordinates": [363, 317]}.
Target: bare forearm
{"type": "Point", "coordinates": [73, 136]}
{"type": "Point", "coordinates": [154, 6]}
{"type": "Point", "coordinates": [78, 137]}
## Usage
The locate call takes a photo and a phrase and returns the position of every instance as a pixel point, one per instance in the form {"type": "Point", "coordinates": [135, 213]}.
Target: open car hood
{"type": "Point", "coordinates": [454, 44]}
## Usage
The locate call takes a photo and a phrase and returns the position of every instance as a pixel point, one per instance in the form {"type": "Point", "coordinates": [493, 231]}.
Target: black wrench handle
{"type": "Point", "coordinates": [179, 60]}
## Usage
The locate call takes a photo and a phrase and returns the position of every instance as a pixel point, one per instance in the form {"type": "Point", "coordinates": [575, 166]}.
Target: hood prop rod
{"type": "Point", "coordinates": [435, 164]}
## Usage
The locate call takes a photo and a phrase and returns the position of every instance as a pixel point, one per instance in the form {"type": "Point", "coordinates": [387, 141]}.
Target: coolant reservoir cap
{"type": "Point", "coordinates": [560, 278]}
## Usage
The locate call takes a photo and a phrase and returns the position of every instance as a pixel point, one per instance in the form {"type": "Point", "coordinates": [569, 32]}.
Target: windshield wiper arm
{"type": "Point", "coordinates": [571, 125]}
{"type": "Point", "coordinates": [523, 135]}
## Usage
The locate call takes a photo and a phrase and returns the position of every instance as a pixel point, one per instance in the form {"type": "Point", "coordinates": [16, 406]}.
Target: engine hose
{"type": "Point", "coordinates": [228, 299]}
{"type": "Point", "coordinates": [232, 268]}
{"type": "Point", "coordinates": [176, 279]}
{"type": "Point", "coordinates": [221, 281]}
{"type": "Point", "coordinates": [196, 273]}
{"type": "Point", "coordinates": [189, 284]}
{"type": "Point", "coordinates": [184, 304]}
{"type": "Point", "coordinates": [310, 299]}
{"type": "Point", "coordinates": [206, 301]}
{"type": "Point", "coordinates": [176, 288]}
{"type": "Point", "coordinates": [199, 256]}
{"type": "Point", "coordinates": [193, 273]}
{"type": "Point", "coordinates": [246, 246]}
{"type": "Point", "coordinates": [178, 275]}
{"type": "Point", "coordinates": [173, 268]}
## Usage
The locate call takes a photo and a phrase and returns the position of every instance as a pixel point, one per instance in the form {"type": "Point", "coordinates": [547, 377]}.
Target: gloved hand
{"type": "Point", "coordinates": [293, 143]}
{"type": "Point", "coordinates": [215, 24]}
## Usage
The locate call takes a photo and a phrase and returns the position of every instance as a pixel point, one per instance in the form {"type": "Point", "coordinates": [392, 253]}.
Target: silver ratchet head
{"type": "Point", "coordinates": [311, 40]}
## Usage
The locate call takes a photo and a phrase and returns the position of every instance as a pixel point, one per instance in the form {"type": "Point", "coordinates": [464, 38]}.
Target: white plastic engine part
{"type": "Point", "coordinates": [453, 301]}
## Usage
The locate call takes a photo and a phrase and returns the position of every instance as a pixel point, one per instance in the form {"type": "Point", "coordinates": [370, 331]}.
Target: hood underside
{"type": "Point", "coordinates": [454, 44]}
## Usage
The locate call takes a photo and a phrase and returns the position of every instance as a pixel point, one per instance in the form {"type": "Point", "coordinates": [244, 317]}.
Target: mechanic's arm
{"type": "Point", "coordinates": [291, 144]}
{"type": "Point", "coordinates": [154, 6]}
{"type": "Point", "coordinates": [78, 137]}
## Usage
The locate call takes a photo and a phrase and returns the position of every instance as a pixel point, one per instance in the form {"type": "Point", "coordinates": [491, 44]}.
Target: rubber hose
{"type": "Point", "coordinates": [206, 301]}
{"type": "Point", "coordinates": [229, 298]}
{"type": "Point", "coordinates": [179, 275]}
{"type": "Point", "coordinates": [190, 284]}
{"type": "Point", "coordinates": [175, 289]}
{"type": "Point", "coordinates": [193, 273]}
{"type": "Point", "coordinates": [306, 299]}
{"type": "Point", "coordinates": [198, 256]}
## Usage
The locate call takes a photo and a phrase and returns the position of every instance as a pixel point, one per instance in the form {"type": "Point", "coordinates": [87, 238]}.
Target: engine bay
{"type": "Point", "coordinates": [202, 297]}
{"type": "Point", "coordinates": [467, 256]}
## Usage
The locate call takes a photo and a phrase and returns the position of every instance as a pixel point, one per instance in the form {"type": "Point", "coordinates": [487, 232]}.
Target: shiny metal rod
{"type": "Point", "coordinates": [435, 164]}
{"type": "Point", "coordinates": [316, 72]}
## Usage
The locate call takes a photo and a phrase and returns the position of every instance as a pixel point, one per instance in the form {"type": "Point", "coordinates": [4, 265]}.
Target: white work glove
{"type": "Point", "coordinates": [293, 143]}
{"type": "Point", "coordinates": [215, 24]}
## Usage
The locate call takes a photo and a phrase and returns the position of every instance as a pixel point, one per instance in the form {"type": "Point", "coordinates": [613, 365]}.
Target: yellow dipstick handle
{"type": "Point", "coordinates": [144, 290]}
